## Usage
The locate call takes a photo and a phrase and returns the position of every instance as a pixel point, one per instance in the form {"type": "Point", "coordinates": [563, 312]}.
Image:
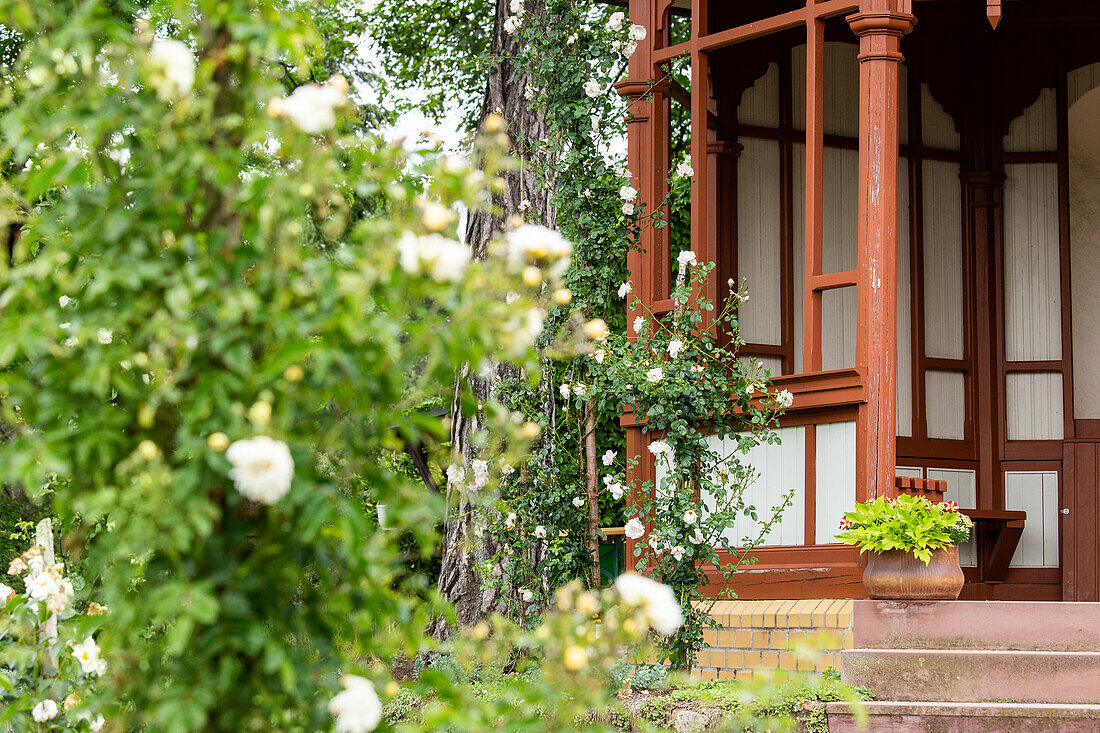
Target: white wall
{"type": "Point", "coordinates": [835, 477]}
{"type": "Point", "coordinates": [1084, 218]}
{"type": "Point", "coordinates": [779, 468]}
{"type": "Point", "coordinates": [1035, 492]}
{"type": "Point", "coordinates": [758, 242]}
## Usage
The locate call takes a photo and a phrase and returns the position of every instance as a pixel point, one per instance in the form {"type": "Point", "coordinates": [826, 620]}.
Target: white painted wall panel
{"type": "Point", "coordinates": [840, 204]}
{"type": "Point", "coordinates": [1081, 81]}
{"type": "Point", "coordinates": [937, 127]}
{"type": "Point", "coordinates": [835, 477]}
{"type": "Point", "coordinates": [841, 89]}
{"type": "Point", "coordinates": [838, 328]}
{"type": "Point", "coordinates": [798, 166]}
{"type": "Point", "coordinates": [1084, 248]}
{"type": "Point", "coordinates": [904, 424]}
{"type": "Point", "coordinates": [779, 468]}
{"type": "Point", "coordinates": [943, 262]}
{"type": "Point", "coordinates": [841, 98]}
{"type": "Point", "coordinates": [912, 471]}
{"type": "Point", "coordinates": [961, 485]}
{"type": "Point", "coordinates": [1037, 128]}
{"type": "Point", "coordinates": [1035, 492]}
{"type": "Point", "coordinates": [961, 489]}
{"type": "Point", "coordinates": [1032, 290]}
{"type": "Point", "coordinates": [773, 364]}
{"type": "Point", "coordinates": [760, 102]}
{"type": "Point", "coordinates": [758, 243]}
{"type": "Point", "coordinates": [1033, 405]}
{"type": "Point", "coordinates": [945, 394]}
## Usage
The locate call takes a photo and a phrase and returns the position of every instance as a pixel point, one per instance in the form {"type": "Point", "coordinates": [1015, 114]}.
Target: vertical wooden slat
{"type": "Point", "coordinates": [813, 214]}
{"type": "Point", "coordinates": [1061, 106]}
{"type": "Point", "coordinates": [1068, 530]}
{"type": "Point", "coordinates": [703, 240]}
{"type": "Point", "coordinates": [810, 535]}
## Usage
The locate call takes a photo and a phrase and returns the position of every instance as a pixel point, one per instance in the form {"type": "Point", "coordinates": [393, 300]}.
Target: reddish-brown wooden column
{"type": "Point", "coordinates": [641, 138]}
{"type": "Point", "coordinates": [880, 24]}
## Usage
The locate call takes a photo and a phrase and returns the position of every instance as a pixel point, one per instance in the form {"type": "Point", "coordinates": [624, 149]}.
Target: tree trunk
{"type": "Point", "coordinates": [592, 478]}
{"type": "Point", "coordinates": [459, 580]}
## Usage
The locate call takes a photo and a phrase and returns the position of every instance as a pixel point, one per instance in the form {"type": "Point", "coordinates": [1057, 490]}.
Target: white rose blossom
{"type": "Point", "coordinates": [41, 585]}
{"type": "Point", "coordinates": [616, 490]}
{"type": "Point", "coordinates": [527, 595]}
{"type": "Point", "coordinates": [571, 39]}
{"type": "Point", "coordinates": [637, 32]}
{"type": "Point", "coordinates": [690, 517]}
{"type": "Point", "coordinates": [678, 552]}
{"type": "Point", "coordinates": [510, 521]}
{"type": "Point", "coordinates": [312, 107]}
{"type": "Point", "coordinates": [628, 208]}
{"type": "Point", "coordinates": [785, 398]}
{"type": "Point", "coordinates": [609, 457]}
{"type": "Point", "coordinates": [564, 390]}
{"type": "Point", "coordinates": [685, 170]}
{"type": "Point", "coordinates": [593, 88]}
{"type": "Point", "coordinates": [64, 301]}
{"type": "Point", "coordinates": [654, 375]}
{"type": "Point", "coordinates": [660, 448]}
{"type": "Point", "coordinates": [625, 289]}
{"type": "Point", "coordinates": [455, 475]}
{"type": "Point", "coordinates": [686, 257]}
{"type": "Point", "coordinates": [44, 710]}
{"type": "Point", "coordinates": [6, 592]}
{"type": "Point", "coordinates": [444, 259]}
{"type": "Point", "coordinates": [86, 654]}
{"type": "Point", "coordinates": [655, 600]}
{"type": "Point", "coordinates": [356, 708]}
{"type": "Point", "coordinates": [599, 355]}
{"type": "Point", "coordinates": [104, 336]}
{"type": "Point", "coordinates": [578, 502]}
{"type": "Point", "coordinates": [634, 529]}
{"type": "Point", "coordinates": [639, 324]}
{"type": "Point", "coordinates": [628, 193]}
{"type": "Point", "coordinates": [540, 532]}
{"type": "Point", "coordinates": [696, 537]}
{"type": "Point", "coordinates": [262, 468]}
{"type": "Point", "coordinates": [580, 390]}
{"type": "Point", "coordinates": [176, 66]}
{"type": "Point", "coordinates": [481, 472]}
{"type": "Point", "coordinates": [615, 22]}
{"type": "Point", "coordinates": [675, 347]}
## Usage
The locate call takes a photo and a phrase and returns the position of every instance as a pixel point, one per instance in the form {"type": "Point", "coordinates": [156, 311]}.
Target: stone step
{"type": "Point", "coordinates": [922, 717]}
{"type": "Point", "coordinates": [966, 675]}
{"type": "Point", "coordinates": [1022, 625]}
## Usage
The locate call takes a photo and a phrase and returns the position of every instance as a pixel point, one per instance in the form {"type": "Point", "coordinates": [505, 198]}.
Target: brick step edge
{"type": "Point", "coordinates": [909, 717]}
{"type": "Point", "coordinates": [1008, 625]}
{"type": "Point", "coordinates": [975, 676]}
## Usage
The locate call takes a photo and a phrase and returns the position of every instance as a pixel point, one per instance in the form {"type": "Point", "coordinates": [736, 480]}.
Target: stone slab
{"type": "Point", "coordinates": [1021, 625]}
{"type": "Point", "coordinates": [910, 717]}
{"type": "Point", "coordinates": [933, 675]}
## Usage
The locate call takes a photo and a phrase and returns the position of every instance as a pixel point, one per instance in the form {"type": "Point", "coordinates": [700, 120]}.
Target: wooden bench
{"type": "Point", "coordinates": [996, 531]}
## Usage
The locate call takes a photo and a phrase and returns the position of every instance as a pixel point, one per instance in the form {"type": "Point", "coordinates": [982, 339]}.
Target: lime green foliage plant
{"type": "Point", "coordinates": [909, 523]}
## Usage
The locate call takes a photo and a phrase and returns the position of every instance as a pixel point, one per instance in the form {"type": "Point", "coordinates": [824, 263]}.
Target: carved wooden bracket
{"type": "Point", "coordinates": [993, 12]}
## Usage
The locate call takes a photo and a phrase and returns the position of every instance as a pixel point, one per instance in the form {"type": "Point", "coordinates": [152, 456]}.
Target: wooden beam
{"type": "Point", "coordinates": [814, 206]}
{"type": "Point", "coordinates": [880, 24]}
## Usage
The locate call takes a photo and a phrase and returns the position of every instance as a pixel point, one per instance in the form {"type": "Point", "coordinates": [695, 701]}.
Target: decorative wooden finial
{"type": "Point", "coordinates": [993, 12]}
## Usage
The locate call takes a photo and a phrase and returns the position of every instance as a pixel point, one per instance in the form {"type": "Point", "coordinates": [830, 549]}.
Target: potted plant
{"type": "Point", "coordinates": [913, 546]}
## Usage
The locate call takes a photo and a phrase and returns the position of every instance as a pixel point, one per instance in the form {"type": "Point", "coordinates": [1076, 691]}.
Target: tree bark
{"type": "Point", "coordinates": [592, 477]}
{"type": "Point", "coordinates": [460, 581]}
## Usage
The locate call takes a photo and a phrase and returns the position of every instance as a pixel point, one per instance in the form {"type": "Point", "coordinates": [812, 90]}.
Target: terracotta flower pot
{"type": "Point", "coordinates": [896, 575]}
